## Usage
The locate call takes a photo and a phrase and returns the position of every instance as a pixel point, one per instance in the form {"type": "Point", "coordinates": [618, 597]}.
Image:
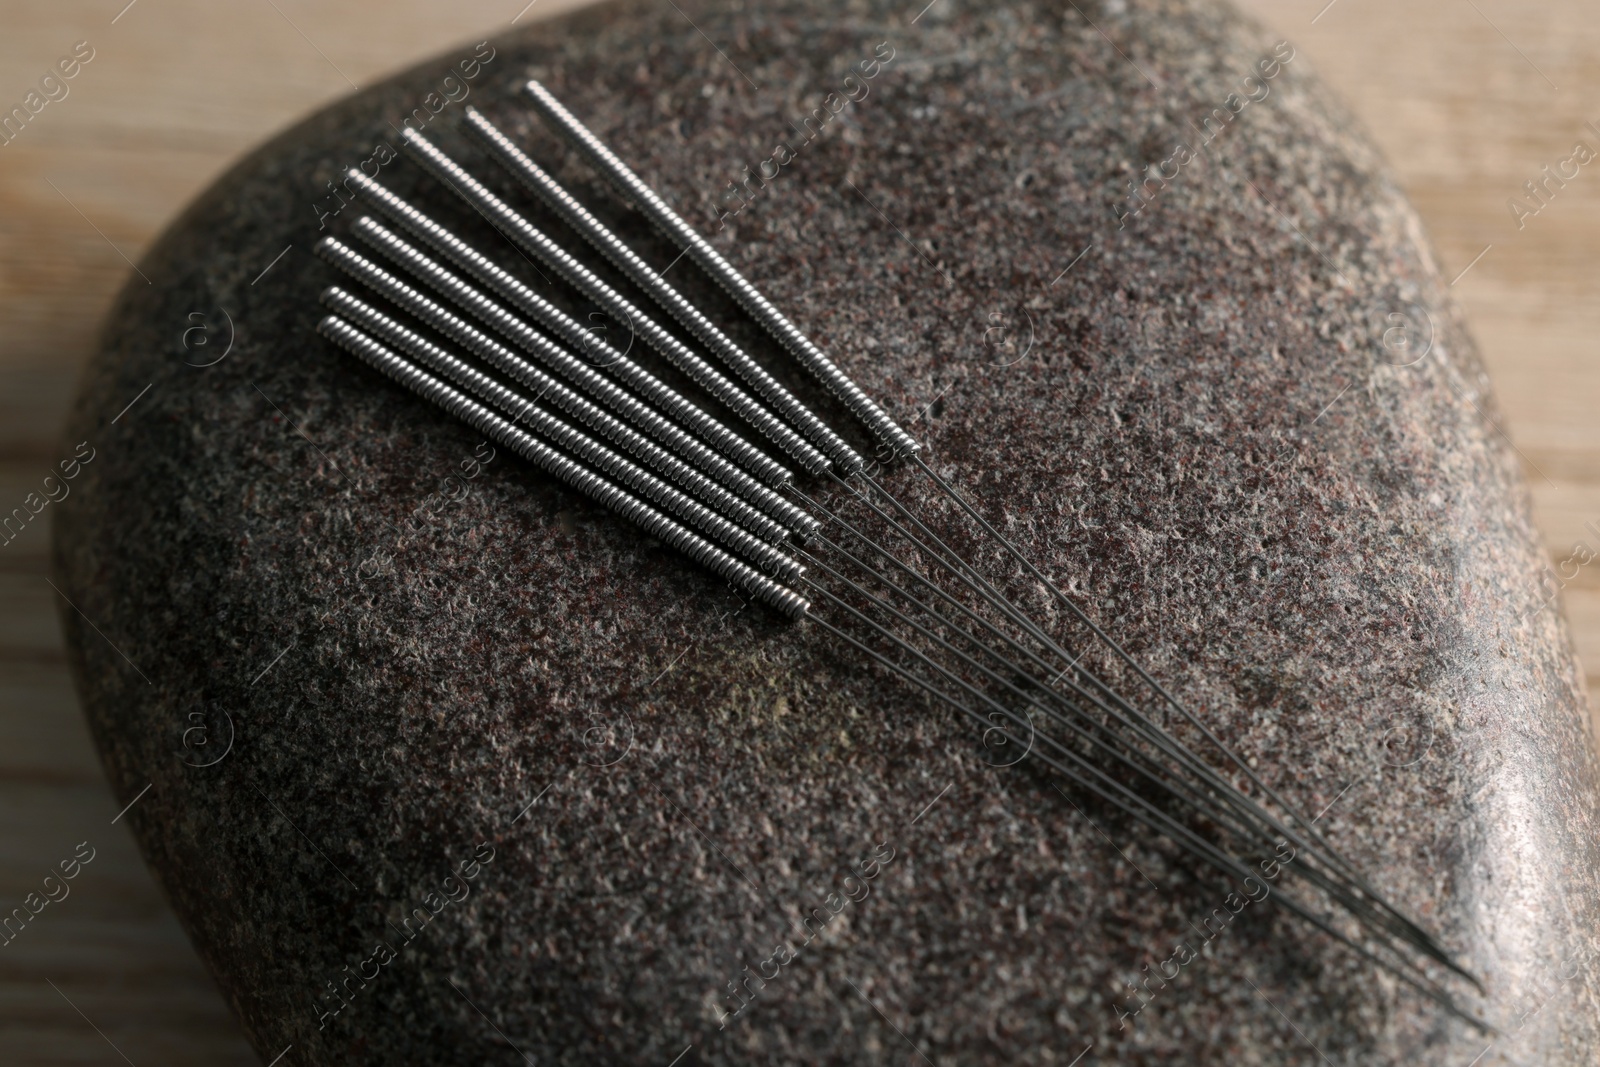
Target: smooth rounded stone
{"type": "Point", "coordinates": [353, 656]}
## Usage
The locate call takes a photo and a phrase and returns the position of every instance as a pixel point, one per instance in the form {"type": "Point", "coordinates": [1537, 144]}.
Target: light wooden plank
{"type": "Point", "coordinates": [1465, 120]}
{"type": "Point", "coordinates": [29, 629]}
{"type": "Point", "coordinates": [44, 740]}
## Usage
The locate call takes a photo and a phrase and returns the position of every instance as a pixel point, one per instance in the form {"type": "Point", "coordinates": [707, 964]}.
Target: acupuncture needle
{"type": "Point", "coordinates": [1231, 792]}
{"type": "Point", "coordinates": [501, 396]}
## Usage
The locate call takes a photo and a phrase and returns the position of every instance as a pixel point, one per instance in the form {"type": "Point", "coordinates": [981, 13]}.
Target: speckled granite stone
{"type": "Point", "coordinates": [1211, 440]}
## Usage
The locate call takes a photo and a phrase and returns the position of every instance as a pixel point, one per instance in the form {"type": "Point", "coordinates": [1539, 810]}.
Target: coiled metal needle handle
{"type": "Point", "coordinates": [622, 470]}
{"type": "Point", "coordinates": [625, 259]}
{"type": "Point", "coordinates": [774, 429]}
{"type": "Point", "coordinates": [602, 389]}
{"type": "Point", "coordinates": [570, 330]}
{"type": "Point", "coordinates": [711, 261]}
{"type": "Point", "coordinates": [623, 369]}
{"type": "Point", "coordinates": [575, 474]}
{"type": "Point", "coordinates": [546, 388]}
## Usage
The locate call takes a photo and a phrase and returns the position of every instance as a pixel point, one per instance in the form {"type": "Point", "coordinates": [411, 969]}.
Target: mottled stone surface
{"type": "Point", "coordinates": [1209, 441]}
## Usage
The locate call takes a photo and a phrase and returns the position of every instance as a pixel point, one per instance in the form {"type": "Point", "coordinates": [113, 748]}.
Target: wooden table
{"type": "Point", "coordinates": [1469, 99]}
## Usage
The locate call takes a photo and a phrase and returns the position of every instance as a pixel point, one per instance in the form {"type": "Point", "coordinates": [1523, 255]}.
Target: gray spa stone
{"type": "Point", "coordinates": [1237, 416]}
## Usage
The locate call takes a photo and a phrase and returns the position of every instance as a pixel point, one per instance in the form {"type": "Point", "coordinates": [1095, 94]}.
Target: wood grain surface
{"type": "Point", "coordinates": [1468, 98]}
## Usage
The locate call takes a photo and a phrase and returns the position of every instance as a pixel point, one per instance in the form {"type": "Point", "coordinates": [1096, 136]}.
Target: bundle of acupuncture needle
{"type": "Point", "coordinates": [895, 584]}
